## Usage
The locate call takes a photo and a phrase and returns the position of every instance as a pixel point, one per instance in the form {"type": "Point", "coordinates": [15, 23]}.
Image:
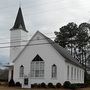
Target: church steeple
{"type": "Point", "coordinates": [18, 33]}
{"type": "Point", "coordinates": [19, 22]}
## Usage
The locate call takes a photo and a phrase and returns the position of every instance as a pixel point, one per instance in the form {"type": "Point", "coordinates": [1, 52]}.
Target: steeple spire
{"type": "Point", "coordinates": [19, 22]}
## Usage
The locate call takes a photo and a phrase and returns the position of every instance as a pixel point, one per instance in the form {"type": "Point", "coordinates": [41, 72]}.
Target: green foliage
{"type": "Point", "coordinates": [11, 83]}
{"type": "Point", "coordinates": [58, 85]}
{"type": "Point", "coordinates": [3, 75]}
{"type": "Point", "coordinates": [82, 35]}
{"type": "Point", "coordinates": [50, 85]}
{"type": "Point", "coordinates": [78, 85]}
{"type": "Point", "coordinates": [34, 85]}
{"type": "Point", "coordinates": [64, 37]}
{"type": "Point", "coordinates": [43, 85]}
{"type": "Point", "coordinates": [73, 86]}
{"type": "Point", "coordinates": [76, 39]}
{"type": "Point", "coordinates": [18, 84]}
{"type": "Point", "coordinates": [38, 86]}
{"type": "Point", "coordinates": [67, 84]}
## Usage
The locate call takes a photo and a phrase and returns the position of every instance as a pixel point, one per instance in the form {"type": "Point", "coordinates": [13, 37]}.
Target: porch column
{"type": "Point", "coordinates": [10, 76]}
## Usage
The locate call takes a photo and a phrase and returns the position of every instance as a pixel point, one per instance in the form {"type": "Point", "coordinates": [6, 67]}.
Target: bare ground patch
{"type": "Point", "coordinates": [14, 88]}
{"type": "Point", "coordinates": [88, 88]}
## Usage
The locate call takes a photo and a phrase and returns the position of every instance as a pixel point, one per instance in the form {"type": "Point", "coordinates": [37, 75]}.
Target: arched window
{"type": "Point", "coordinates": [21, 71]}
{"type": "Point", "coordinates": [37, 67]}
{"type": "Point", "coordinates": [54, 71]}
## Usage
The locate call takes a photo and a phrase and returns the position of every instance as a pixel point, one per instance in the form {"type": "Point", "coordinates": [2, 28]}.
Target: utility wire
{"type": "Point", "coordinates": [51, 33]}
{"type": "Point", "coordinates": [18, 40]}
{"type": "Point", "coordinates": [27, 45]}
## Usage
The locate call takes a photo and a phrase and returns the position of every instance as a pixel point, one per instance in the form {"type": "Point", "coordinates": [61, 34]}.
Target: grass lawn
{"type": "Point", "coordinates": [84, 89]}
{"type": "Point", "coordinates": [12, 88]}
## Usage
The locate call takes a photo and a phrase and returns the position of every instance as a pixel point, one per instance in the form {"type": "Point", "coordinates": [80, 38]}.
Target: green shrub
{"type": "Point", "coordinates": [58, 85]}
{"type": "Point", "coordinates": [18, 84]}
{"type": "Point", "coordinates": [11, 83]}
{"type": "Point", "coordinates": [38, 86]}
{"type": "Point", "coordinates": [77, 85]}
{"type": "Point", "coordinates": [73, 86]}
{"type": "Point", "coordinates": [43, 85]}
{"type": "Point", "coordinates": [50, 85]}
{"type": "Point", "coordinates": [35, 85]}
{"type": "Point", "coordinates": [66, 84]}
{"type": "Point", "coordinates": [81, 85]}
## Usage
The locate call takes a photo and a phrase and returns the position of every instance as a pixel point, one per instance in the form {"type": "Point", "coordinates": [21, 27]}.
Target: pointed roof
{"type": "Point", "coordinates": [19, 22]}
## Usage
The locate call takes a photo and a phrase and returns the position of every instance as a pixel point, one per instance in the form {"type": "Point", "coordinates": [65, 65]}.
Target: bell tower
{"type": "Point", "coordinates": [18, 35]}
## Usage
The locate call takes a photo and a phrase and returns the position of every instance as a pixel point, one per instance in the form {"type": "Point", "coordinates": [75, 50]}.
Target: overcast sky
{"type": "Point", "coordinates": [46, 16]}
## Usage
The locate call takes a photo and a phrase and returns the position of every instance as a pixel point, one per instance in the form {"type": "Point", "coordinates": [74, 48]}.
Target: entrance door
{"type": "Point", "coordinates": [25, 81]}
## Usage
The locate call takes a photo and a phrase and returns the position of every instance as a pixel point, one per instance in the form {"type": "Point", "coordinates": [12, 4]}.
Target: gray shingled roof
{"type": "Point", "coordinates": [68, 57]}
{"type": "Point", "coordinates": [19, 22]}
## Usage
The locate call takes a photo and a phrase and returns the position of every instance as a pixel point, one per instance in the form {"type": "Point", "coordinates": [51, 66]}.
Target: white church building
{"type": "Point", "coordinates": [40, 59]}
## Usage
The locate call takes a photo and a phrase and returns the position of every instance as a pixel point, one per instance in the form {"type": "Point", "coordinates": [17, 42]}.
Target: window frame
{"type": "Point", "coordinates": [75, 73]}
{"type": "Point", "coordinates": [21, 72]}
{"type": "Point", "coordinates": [54, 71]}
{"type": "Point", "coordinates": [72, 73]}
{"type": "Point", "coordinates": [68, 72]}
{"type": "Point", "coordinates": [37, 67]}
